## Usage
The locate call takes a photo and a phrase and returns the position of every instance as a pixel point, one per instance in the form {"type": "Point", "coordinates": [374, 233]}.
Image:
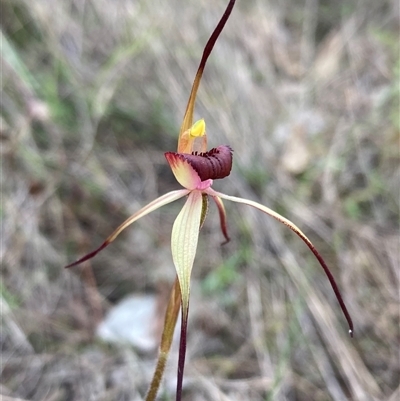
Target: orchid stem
{"type": "Point", "coordinates": [182, 352]}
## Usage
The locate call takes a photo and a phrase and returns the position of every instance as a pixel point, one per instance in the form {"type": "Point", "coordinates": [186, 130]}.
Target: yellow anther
{"type": "Point", "coordinates": [198, 128]}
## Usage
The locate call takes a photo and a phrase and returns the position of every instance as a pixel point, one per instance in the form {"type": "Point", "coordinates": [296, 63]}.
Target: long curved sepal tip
{"type": "Point", "coordinates": [154, 205]}
{"type": "Point", "coordinates": [90, 255]}
{"type": "Point", "coordinates": [297, 231]}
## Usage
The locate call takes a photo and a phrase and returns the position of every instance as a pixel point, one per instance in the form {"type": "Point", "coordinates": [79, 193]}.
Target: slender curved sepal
{"type": "Point", "coordinates": [297, 231]}
{"type": "Point", "coordinates": [171, 316]}
{"type": "Point", "coordinates": [154, 205]}
{"type": "Point", "coordinates": [183, 146]}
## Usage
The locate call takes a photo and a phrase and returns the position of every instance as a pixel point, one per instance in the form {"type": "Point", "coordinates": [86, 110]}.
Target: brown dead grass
{"type": "Point", "coordinates": [305, 92]}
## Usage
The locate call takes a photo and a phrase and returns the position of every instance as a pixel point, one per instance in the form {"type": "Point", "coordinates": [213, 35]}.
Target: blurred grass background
{"type": "Point", "coordinates": [307, 94]}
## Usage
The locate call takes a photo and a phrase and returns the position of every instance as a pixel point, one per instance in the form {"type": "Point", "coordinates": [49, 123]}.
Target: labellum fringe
{"type": "Point", "coordinates": [214, 164]}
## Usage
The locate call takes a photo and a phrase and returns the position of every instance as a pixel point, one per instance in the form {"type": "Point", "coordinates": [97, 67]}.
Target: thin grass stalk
{"type": "Point", "coordinates": [171, 316]}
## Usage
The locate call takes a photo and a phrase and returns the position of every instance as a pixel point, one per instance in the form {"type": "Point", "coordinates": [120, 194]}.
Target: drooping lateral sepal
{"type": "Point", "coordinates": [305, 239]}
{"type": "Point", "coordinates": [154, 205]}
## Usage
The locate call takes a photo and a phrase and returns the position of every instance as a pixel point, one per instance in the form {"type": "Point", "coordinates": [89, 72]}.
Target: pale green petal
{"type": "Point", "coordinates": [185, 235]}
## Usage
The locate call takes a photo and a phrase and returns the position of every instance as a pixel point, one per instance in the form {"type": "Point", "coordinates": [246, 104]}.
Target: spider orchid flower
{"type": "Point", "coordinates": [195, 169]}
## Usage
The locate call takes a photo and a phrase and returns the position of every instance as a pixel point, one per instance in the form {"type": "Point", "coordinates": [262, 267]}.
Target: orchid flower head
{"type": "Point", "coordinates": [196, 168]}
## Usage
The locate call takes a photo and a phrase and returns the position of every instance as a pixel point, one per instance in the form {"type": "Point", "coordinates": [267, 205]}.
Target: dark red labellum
{"type": "Point", "coordinates": [214, 164]}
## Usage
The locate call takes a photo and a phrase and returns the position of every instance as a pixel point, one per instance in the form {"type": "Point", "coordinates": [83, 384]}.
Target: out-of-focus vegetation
{"type": "Point", "coordinates": [307, 94]}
